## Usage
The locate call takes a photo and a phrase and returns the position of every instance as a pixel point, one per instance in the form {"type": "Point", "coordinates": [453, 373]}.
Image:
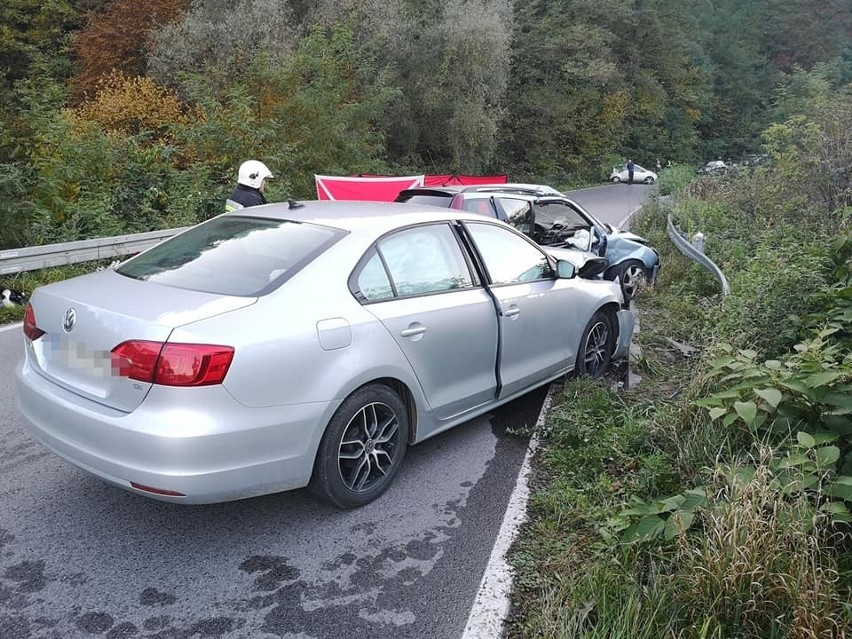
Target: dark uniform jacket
{"type": "Point", "coordinates": [244, 196]}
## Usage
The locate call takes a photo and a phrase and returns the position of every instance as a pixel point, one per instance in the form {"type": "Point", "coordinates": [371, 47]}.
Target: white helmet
{"type": "Point", "coordinates": [253, 173]}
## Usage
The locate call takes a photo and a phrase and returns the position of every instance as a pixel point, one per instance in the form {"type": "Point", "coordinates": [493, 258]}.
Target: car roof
{"type": "Point", "coordinates": [504, 187]}
{"type": "Point", "coordinates": [517, 187]}
{"type": "Point", "coordinates": [356, 215]}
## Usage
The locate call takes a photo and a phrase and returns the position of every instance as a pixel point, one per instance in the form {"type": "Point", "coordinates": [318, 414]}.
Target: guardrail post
{"type": "Point", "coordinates": [698, 241]}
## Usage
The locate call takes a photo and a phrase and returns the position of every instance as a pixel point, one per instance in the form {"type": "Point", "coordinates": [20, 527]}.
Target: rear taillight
{"type": "Point", "coordinates": [136, 360]}
{"type": "Point", "coordinates": [172, 364]}
{"type": "Point", "coordinates": [32, 331]}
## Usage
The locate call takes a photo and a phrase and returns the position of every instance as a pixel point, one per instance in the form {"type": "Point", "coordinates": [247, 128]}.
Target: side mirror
{"type": "Point", "coordinates": [565, 270]}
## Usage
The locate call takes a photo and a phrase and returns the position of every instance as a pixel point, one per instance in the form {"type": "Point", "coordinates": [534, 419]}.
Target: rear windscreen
{"type": "Point", "coordinates": [233, 255]}
{"type": "Point", "coordinates": [431, 200]}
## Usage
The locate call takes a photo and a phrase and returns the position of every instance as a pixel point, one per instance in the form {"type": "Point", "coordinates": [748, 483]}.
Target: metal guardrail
{"type": "Point", "coordinates": [37, 257]}
{"type": "Point", "coordinates": [33, 258]}
{"type": "Point", "coordinates": [685, 247]}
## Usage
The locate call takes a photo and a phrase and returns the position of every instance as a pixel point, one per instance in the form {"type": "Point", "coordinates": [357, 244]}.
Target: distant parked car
{"type": "Point", "coordinates": [554, 221]}
{"type": "Point", "coordinates": [715, 167]}
{"type": "Point", "coordinates": [640, 174]}
{"type": "Point", "coordinates": [279, 346]}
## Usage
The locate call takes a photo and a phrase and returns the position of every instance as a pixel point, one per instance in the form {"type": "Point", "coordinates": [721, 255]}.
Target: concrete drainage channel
{"type": "Point", "coordinates": [492, 604]}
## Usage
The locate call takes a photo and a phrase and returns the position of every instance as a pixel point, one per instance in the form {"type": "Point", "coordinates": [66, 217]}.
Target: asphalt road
{"type": "Point", "coordinates": [80, 558]}
{"type": "Point", "coordinates": [612, 203]}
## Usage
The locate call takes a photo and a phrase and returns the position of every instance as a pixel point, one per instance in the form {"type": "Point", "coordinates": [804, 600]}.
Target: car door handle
{"type": "Point", "coordinates": [413, 331]}
{"type": "Point", "coordinates": [512, 312]}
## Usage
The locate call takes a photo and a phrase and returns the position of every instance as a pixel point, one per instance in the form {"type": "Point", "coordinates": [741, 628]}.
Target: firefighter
{"type": "Point", "coordinates": [251, 182]}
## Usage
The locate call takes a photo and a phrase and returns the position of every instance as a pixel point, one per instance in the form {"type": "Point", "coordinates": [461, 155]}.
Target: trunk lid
{"type": "Point", "coordinates": [86, 317]}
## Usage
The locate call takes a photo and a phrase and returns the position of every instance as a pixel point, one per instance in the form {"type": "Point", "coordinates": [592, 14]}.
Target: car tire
{"type": "Point", "coordinates": [362, 448]}
{"type": "Point", "coordinates": [596, 346]}
{"type": "Point", "coordinates": [615, 179]}
{"type": "Point", "coordinates": [649, 180]}
{"type": "Point", "coordinates": [631, 276]}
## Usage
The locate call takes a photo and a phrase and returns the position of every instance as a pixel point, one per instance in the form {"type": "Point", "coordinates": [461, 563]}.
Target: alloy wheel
{"type": "Point", "coordinates": [596, 354]}
{"type": "Point", "coordinates": [367, 450]}
{"type": "Point", "coordinates": [632, 279]}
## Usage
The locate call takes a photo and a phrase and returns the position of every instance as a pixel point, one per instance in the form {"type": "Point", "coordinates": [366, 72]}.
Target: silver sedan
{"type": "Point", "coordinates": [640, 174]}
{"type": "Point", "coordinates": [281, 346]}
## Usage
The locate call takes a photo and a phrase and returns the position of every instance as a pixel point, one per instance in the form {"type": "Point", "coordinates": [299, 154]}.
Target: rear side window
{"type": "Point", "coordinates": [233, 255]}
{"type": "Point", "coordinates": [415, 261]}
{"type": "Point", "coordinates": [480, 205]}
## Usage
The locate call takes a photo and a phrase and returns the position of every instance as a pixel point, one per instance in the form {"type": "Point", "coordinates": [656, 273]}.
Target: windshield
{"type": "Point", "coordinates": [232, 255]}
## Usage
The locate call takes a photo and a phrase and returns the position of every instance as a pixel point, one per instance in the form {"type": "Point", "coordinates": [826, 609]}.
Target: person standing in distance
{"type": "Point", "coordinates": [251, 182]}
{"type": "Point", "coordinates": [630, 167]}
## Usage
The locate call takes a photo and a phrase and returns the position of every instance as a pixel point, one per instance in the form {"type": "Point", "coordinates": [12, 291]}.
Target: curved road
{"type": "Point", "coordinates": [80, 558]}
{"type": "Point", "coordinates": [613, 203]}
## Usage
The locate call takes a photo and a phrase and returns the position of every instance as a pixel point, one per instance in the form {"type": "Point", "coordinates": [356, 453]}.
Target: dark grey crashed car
{"type": "Point", "coordinates": [551, 219]}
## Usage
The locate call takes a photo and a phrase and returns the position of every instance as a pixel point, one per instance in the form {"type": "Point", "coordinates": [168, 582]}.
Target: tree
{"type": "Point", "coordinates": [459, 93]}
{"type": "Point", "coordinates": [565, 100]}
{"type": "Point", "coordinates": [221, 39]}
{"type": "Point", "coordinates": [33, 46]}
{"type": "Point", "coordinates": [116, 39]}
{"type": "Point", "coordinates": [133, 105]}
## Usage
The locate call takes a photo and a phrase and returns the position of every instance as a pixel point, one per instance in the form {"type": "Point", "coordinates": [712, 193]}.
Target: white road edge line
{"type": "Point", "coordinates": [491, 606]}
{"type": "Point", "coordinates": [10, 327]}
{"type": "Point", "coordinates": [629, 215]}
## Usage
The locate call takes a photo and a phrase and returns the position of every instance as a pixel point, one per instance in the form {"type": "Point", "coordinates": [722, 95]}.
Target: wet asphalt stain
{"type": "Point", "coordinates": [216, 627]}
{"type": "Point", "coordinates": [274, 571]}
{"type": "Point", "coordinates": [95, 622]}
{"type": "Point", "coordinates": [366, 527]}
{"type": "Point", "coordinates": [346, 559]}
{"type": "Point", "coordinates": [157, 623]}
{"type": "Point", "coordinates": [153, 597]}
{"type": "Point", "coordinates": [6, 538]}
{"type": "Point", "coordinates": [15, 627]}
{"type": "Point", "coordinates": [122, 631]}
{"type": "Point", "coordinates": [28, 575]}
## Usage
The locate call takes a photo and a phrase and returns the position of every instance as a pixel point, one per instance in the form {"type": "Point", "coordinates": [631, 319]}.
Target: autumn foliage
{"type": "Point", "coordinates": [133, 104]}
{"type": "Point", "coordinates": [115, 38]}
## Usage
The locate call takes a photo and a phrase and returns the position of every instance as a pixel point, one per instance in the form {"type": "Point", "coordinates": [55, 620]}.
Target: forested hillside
{"type": "Point", "coordinates": [129, 115]}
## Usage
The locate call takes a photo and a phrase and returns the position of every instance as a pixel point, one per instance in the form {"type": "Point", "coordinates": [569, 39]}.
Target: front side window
{"type": "Point", "coordinates": [508, 257]}
{"type": "Point", "coordinates": [232, 255]}
{"type": "Point", "coordinates": [415, 261]}
{"type": "Point", "coordinates": [568, 216]}
{"type": "Point", "coordinates": [519, 214]}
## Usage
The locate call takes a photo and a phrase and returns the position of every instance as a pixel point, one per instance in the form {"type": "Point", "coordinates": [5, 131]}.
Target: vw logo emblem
{"type": "Point", "coordinates": [70, 320]}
